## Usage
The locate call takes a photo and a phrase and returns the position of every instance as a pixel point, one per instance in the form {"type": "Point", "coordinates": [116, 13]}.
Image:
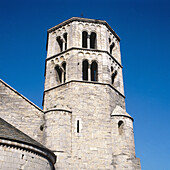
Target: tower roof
{"type": "Point", "coordinates": [118, 111]}
{"type": "Point", "coordinates": [84, 20]}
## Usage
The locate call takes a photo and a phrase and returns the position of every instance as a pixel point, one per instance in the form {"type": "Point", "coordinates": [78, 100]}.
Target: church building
{"type": "Point", "coordinates": [83, 123]}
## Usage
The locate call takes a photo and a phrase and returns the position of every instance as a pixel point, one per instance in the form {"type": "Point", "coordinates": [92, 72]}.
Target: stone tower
{"type": "Point", "coordinates": [87, 125]}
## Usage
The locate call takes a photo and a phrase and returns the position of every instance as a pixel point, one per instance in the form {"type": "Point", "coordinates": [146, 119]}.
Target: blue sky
{"type": "Point", "coordinates": [143, 27]}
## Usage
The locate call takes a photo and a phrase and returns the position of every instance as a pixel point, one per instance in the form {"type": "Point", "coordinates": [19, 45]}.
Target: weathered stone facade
{"type": "Point", "coordinates": [86, 111]}
{"type": "Point", "coordinates": [84, 119]}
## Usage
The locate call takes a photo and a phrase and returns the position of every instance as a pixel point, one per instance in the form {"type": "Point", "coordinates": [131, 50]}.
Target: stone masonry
{"type": "Point", "coordinates": [92, 128]}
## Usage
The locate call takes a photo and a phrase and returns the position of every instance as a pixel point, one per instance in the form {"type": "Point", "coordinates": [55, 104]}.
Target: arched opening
{"type": "Point", "coordinates": [60, 43]}
{"type": "Point", "coordinates": [94, 71]}
{"type": "Point", "coordinates": [84, 39]}
{"type": "Point", "coordinates": [113, 76]}
{"type": "Point", "coordinates": [85, 70]}
{"type": "Point", "coordinates": [111, 47]}
{"type": "Point", "coordinates": [120, 127]}
{"type": "Point", "coordinates": [111, 69]}
{"type": "Point", "coordinates": [93, 40]}
{"type": "Point", "coordinates": [64, 71]}
{"type": "Point", "coordinates": [65, 38]}
{"type": "Point", "coordinates": [59, 73]}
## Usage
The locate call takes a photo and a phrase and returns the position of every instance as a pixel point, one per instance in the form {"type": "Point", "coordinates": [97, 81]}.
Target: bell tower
{"type": "Point", "coordinates": [87, 125]}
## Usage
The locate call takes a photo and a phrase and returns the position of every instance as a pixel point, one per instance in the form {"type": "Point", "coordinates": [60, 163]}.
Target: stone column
{"type": "Point", "coordinates": [89, 73]}
{"type": "Point", "coordinates": [63, 46]}
{"type": "Point", "coordinates": [88, 41]}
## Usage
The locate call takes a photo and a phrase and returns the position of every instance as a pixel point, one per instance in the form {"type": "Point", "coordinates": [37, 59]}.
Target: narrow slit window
{"type": "Point", "coordinates": [78, 126]}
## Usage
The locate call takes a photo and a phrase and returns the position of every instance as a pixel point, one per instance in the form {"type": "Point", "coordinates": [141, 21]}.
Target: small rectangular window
{"type": "Point", "coordinates": [78, 126]}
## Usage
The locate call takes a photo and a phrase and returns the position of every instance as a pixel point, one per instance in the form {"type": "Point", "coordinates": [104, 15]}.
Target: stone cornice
{"type": "Point", "coordinates": [84, 49]}
{"type": "Point", "coordinates": [30, 148]}
{"type": "Point", "coordinates": [63, 110]}
{"type": "Point", "coordinates": [122, 116]}
{"type": "Point", "coordinates": [90, 82]}
{"type": "Point", "coordinates": [95, 21]}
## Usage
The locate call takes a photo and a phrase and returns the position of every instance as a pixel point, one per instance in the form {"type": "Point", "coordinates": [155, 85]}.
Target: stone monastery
{"type": "Point", "coordinates": [84, 123]}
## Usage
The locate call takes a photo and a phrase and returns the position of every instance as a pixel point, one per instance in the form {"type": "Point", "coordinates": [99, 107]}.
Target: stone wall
{"type": "Point", "coordinates": [12, 157]}
{"type": "Point", "coordinates": [58, 134]}
{"type": "Point", "coordinates": [20, 112]}
{"type": "Point", "coordinates": [91, 104]}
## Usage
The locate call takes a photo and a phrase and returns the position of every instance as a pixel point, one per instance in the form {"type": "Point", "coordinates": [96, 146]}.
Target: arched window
{"type": "Point", "coordinates": [111, 47]}
{"type": "Point", "coordinates": [120, 127]}
{"type": "Point", "coordinates": [59, 73]}
{"type": "Point", "coordinates": [65, 38]}
{"type": "Point", "coordinates": [113, 76]}
{"type": "Point", "coordinates": [85, 70]}
{"type": "Point", "coordinates": [60, 43]}
{"type": "Point", "coordinates": [64, 71]}
{"type": "Point", "coordinates": [84, 39]}
{"type": "Point", "coordinates": [93, 40]}
{"type": "Point", "coordinates": [94, 71]}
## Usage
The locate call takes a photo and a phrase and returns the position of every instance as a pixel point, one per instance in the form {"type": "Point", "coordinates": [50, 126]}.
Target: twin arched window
{"type": "Point", "coordinates": [93, 69]}
{"type": "Point", "coordinates": [61, 73]}
{"type": "Point", "coordinates": [89, 41]}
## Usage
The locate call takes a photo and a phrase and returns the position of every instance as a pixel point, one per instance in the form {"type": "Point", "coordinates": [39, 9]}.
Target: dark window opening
{"type": "Point", "coordinates": [120, 127]}
{"type": "Point", "coordinates": [60, 43]}
{"type": "Point", "coordinates": [109, 40]}
{"type": "Point", "coordinates": [111, 69]}
{"type": "Point", "coordinates": [94, 71]}
{"type": "Point", "coordinates": [41, 127]}
{"type": "Point", "coordinates": [85, 70]}
{"type": "Point", "coordinates": [111, 47]}
{"type": "Point", "coordinates": [84, 39]}
{"type": "Point", "coordinates": [114, 76]}
{"type": "Point", "coordinates": [65, 37]}
{"type": "Point", "coordinates": [59, 73]}
{"type": "Point", "coordinates": [64, 69]}
{"type": "Point", "coordinates": [93, 40]}
{"type": "Point", "coordinates": [78, 126]}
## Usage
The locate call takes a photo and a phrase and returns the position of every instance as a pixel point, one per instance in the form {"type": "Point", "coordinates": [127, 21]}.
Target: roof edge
{"type": "Point", "coordinates": [15, 91]}
{"type": "Point", "coordinates": [83, 20]}
{"type": "Point", "coordinates": [119, 111]}
{"type": "Point", "coordinates": [27, 146]}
